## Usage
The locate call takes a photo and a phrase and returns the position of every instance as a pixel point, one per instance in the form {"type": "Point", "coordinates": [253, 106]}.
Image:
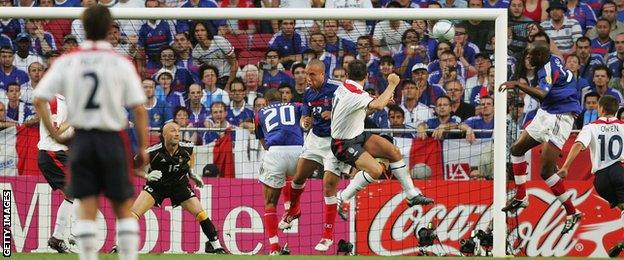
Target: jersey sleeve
{"type": "Point", "coordinates": [52, 83]}
{"type": "Point", "coordinates": [224, 46]}
{"type": "Point", "coordinates": [134, 94]}
{"type": "Point", "coordinates": [361, 100]}
{"type": "Point", "coordinates": [584, 137]}
{"type": "Point", "coordinates": [545, 77]}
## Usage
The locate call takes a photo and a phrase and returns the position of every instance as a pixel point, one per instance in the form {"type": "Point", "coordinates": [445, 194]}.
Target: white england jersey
{"type": "Point", "coordinates": [349, 110]}
{"type": "Point", "coordinates": [97, 84]}
{"type": "Point", "coordinates": [58, 115]}
{"type": "Point", "coordinates": [604, 139]}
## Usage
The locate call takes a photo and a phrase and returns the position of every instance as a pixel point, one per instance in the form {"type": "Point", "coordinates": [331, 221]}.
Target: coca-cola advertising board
{"type": "Point", "coordinates": [385, 225]}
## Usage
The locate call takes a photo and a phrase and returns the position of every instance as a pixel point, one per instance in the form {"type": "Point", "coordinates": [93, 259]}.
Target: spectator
{"type": "Point", "coordinates": [235, 26]}
{"type": "Point", "coordinates": [483, 90]}
{"type": "Point", "coordinates": [422, 27]}
{"type": "Point", "coordinates": [587, 59]}
{"type": "Point", "coordinates": [519, 24]}
{"type": "Point", "coordinates": [216, 120]}
{"type": "Point", "coordinates": [561, 29]}
{"type": "Point", "coordinates": [615, 59]}
{"type": "Point", "coordinates": [463, 48]}
{"type": "Point", "coordinates": [536, 10]}
{"type": "Point", "coordinates": [482, 65]}
{"type": "Point", "coordinates": [165, 91]}
{"type": "Point", "coordinates": [41, 41]}
{"type": "Point", "coordinates": [602, 45]}
{"type": "Point", "coordinates": [608, 12]}
{"type": "Point", "coordinates": [617, 83]}
{"type": "Point", "coordinates": [388, 33]}
{"type": "Point", "coordinates": [76, 26]}
{"type": "Point", "coordinates": [35, 73]}
{"type": "Point", "coordinates": [304, 26]}
{"type": "Point", "coordinates": [59, 28]}
{"type": "Point", "coordinates": [334, 44]}
{"type": "Point", "coordinates": [411, 53]}
{"type": "Point", "coordinates": [198, 112]}
{"type": "Point", "coordinates": [239, 113]}
{"type": "Point", "coordinates": [589, 113]}
{"type": "Point", "coordinates": [601, 78]}
{"type": "Point", "coordinates": [10, 73]}
{"type": "Point", "coordinates": [358, 26]}
{"type": "Point", "coordinates": [182, 47]}
{"type": "Point", "coordinates": [301, 83]}
{"type": "Point", "coordinates": [485, 121]}
{"type": "Point", "coordinates": [251, 79]}
{"type": "Point", "coordinates": [449, 70]}
{"type": "Point", "coordinates": [352, 30]}
{"type": "Point", "coordinates": [477, 30]}
{"type": "Point", "coordinates": [215, 51]}
{"type": "Point", "coordinates": [182, 78]}
{"type": "Point", "coordinates": [442, 121]}
{"type": "Point", "coordinates": [453, 3]}
{"type": "Point", "coordinates": [154, 35]}
{"type": "Point", "coordinates": [158, 112]}
{"type": "Point", "coordinates": [212, 26]}
{"type": "Point", "coordinates": [386, 68]}
{"type": "Point", "coordinates": [286, 92]}
{"type": "Point", "coordinates": [582, 13]}
{"type": "Point", "coordinates": [259, 103]}
{"type": "Point", "coordinates": [379, 118]}
{"type": "Point", "coordinates": [272, 76]}
{"type": "Point", "coordinates": [495, 4]}
{"type": "Point", "coordinates": [346, 59]}
{"type": "Point", "coordinates": [339, 74]}
{"type": "Point", "coordinates": [429, 92]}
{"type": "Point", "coordinates": [181, 117]}
{"type": "Point", "coordinates": [459, 108]}
{"type": "Point", "coordinates": [415, 111]}
{"type": "Point", "coordinates": [10, 27]}
{"type": "Point", "coordinates": [211, 92]}
{"type": "Point", "coordinates": [4, 121]}
{"type": "Point", "coordinates": [24, 56]}
{"type": "Point", "coordinates": [69, 43]}
{"type": "Point", "coordinates": [66, 3]}
{"type": "Point", "coordinates": [121, 47]}
{"type": "Point", "coordinates": [17, 110]}
{"type": "Point", "coordinates": [573, 64]}
{"type": "Point", "coordinates": [288, 43]}
{"type": "Point", "coordinates": [364, 54]}
{"type": "Point", "coordinates": [317, 45]}
{"type": "Point", "coordinates": [396, 117]}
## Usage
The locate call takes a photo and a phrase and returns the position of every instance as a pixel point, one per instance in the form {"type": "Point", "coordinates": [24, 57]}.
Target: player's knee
{"type": "Point", "coordinates": [395, 154]}
{"type": "Point", "coordinates": [516, 150]}
{"type": "Point", "coordinates": [201, 216]}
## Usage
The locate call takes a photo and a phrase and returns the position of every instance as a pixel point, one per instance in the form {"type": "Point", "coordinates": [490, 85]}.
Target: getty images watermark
{"type": "Point", "coordinates": [6, 223]}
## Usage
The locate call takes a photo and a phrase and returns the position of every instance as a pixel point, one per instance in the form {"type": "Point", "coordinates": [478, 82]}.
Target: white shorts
{"type": "Point", "coordinates": [318, 149]}
{"type": "Point", "coordinates": [553, 128]}
{"type": "Point", "coordinates": [278, 162]}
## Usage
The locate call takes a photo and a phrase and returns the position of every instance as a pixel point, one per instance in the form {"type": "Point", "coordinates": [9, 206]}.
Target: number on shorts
{"type": "Point", "coordinates": [287, 117]}
{"type": "Point", "coordinates": [614, 152]}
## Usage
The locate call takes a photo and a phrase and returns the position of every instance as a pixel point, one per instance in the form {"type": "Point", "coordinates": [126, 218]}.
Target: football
{"type": "Point", "coordinates": [443, 30]}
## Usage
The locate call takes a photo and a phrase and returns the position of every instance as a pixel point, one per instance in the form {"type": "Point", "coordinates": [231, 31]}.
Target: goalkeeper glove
{"type": "Point", "coordinates": [154, 175]}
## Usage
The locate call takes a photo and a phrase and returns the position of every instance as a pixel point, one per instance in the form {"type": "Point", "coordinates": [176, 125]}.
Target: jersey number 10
{"type": "Point", "coordinates": [287, 117]}
{"type": "Point", "coordinates": [613, 155]}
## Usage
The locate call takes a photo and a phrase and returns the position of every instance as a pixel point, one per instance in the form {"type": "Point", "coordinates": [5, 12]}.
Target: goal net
{"type": "Point", "coordinates": [207, 69]}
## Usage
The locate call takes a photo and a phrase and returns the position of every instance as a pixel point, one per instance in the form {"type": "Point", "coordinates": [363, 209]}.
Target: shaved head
{"type": "Point", "coordinates": [171, 134]}
{"type": "Point", "coordinates": [315, 73]}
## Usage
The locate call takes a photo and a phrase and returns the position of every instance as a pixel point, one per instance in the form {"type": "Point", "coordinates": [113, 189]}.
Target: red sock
{"type": "Point", "coordinates": [519, 171]}
{"type": "Point", "coordinates": [270, 228]}
{"type": "Point", "coordinates": [558, 188]}
{"type": "Point", "coordinates": [331, 210]}
{"type": "Point", "coordinates": [295, 195]}
{"type": "Point", "coordinates": [286, 193]}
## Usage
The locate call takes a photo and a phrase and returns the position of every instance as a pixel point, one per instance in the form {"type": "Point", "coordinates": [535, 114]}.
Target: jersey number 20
{"type": "Point", "coordinates": [287, 117]}
{"type": "Point", "coordinates": [614, 154]}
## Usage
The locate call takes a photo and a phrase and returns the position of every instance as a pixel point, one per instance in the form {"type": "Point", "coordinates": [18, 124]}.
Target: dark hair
{"type": "Point", "coordinates": [583, 39]}
{"type": "Point", "coordinates": [357, 70]}
{"type": "Point", "coordinates": [318, 33]}
{"type": "Point", "coordinates": [592, 94]}
{"type": "Point", "coordinates": [208, 27]}
{"type": "Point", "coordinates": [540, 51]}
{"type": "Point", "coordinates": [407, 81]}
{"type": "Point", "coordinates": [238, 81]}
{"type": "Point", "coordinates": [205, 67]}
{"type": "Point", "coordinates": [6, 48]}
{"type": "Point", "coordinates": [619, 112]}
{"type": "Point", "coordinates": [178, 109]}
{"type": "Point", "coordinates": [540, 33]}
{"type": "Point", "coordinates": [218, 103]}
{"type": "Point", "coordinates": [97, 21]}
{"type": "Point", "coordinates": [404, 35]}
{"type": "Point", "coordinates": [444, 96]}
{"type": "Point", "coordinates": [434, 3]}
{"type": "Point", "coordinates": [609, 104]}
{"type": "Point", "coordinates": [603, 19]}
{"type": "Point", "coordinates": [266, 53]}
{"type": "Point", "coordinates": [386, 59]}
{"type": "Point", "coordinates": [394, 4]}
{"type": "Point", "coordinates": [297, 65]}
{"type": "Point", "coordinates": [167, 47]}
{"type": "Point", "coordinates": [396, 108]}
{"type": "Point", "coordinates": [8, 85]}
{"type": "Point", "coordinates": [602, 67]}
{"type": "Point", "coordinates": [272, 95]}
{"type": "Point", "coordinates": [285, 85]}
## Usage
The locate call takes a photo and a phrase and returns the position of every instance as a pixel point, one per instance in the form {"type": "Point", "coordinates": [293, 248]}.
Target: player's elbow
{"type": "Point", "coordinates": [375, 105]}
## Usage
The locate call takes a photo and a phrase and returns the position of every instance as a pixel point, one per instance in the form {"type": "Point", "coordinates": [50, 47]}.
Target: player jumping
{"type": "Point", "coordinates": [280, 134]}
{"type": "Point", "coordinates": [350, 144]}
{"type": "Point", "coordinates": [604, 139]}
{"type": "Point", "coordinates": [551, 126]}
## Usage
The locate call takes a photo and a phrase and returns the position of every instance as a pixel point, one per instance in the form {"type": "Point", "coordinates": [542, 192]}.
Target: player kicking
{"type": "Point", "coordinates": [352, 145]}
{"type": "Point", "coordinates": [98, 86]}
{"type": "Point", "coordinates": [316, 114]}
{"type": "Point", "coordinates": [280, 134]}
{"type": "Point", "coordinates": [551, 126]}
{"type": "Point", "coordinates": [170, 165]}
{"type": "Point", "coordinates": [604, 139]}
{"type": "Point", "coordinates": [52, 161]}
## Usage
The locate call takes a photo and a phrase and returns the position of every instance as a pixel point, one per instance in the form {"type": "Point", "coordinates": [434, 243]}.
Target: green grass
{"type": "Point", "coordinates": [42, 256]}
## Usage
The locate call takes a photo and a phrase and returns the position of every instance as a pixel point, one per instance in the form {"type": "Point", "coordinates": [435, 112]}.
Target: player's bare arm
{"type": "Point", "coordinates": [524, 87]}
{"type": "Point", "coordinates": [577, 147]}
{"type": "Point", "coordinates": [194, 176]}
{"type": "Point", "coordinates": [380, 102]}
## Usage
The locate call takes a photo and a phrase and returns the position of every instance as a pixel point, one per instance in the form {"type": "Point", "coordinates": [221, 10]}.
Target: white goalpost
{"type": "Point", "coordinates": [498, 15]}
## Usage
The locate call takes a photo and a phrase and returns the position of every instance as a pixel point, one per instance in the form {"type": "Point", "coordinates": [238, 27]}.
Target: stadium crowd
{"type": "Point", "coordinates": [214, 73]}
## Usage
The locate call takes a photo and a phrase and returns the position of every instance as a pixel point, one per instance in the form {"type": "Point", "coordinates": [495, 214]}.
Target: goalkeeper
{"type": "Point", "coordinates": [170, 163]}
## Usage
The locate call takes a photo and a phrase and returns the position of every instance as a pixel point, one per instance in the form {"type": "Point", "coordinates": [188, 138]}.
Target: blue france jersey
{"type": "Point", "coordinates": [278, 124]}
{"type": "Point", "coordinates": [316, 102]}
{"type": "Point", "coordinates": [561, 88]}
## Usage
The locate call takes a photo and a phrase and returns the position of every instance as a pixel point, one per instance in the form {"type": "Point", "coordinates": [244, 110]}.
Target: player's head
{"type": "Point", "coordinates": [170, 134]}
{"type": "Point", "coordinates": [539, 55]}
{"type": "Point", "coordinates": [315, 73]}
{"type": "Point", "coordinates": [97, 21]}
{"type": "Point", "coordinates": [607, 105]}
{"type": "Point", "coordinates": [273, 95]}
{"type": "Point", "coordinates": [357, 70]}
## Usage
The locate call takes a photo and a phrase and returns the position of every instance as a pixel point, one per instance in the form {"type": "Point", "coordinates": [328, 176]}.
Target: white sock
{"type": "Point", "coordinates": [128, 238]}
{"type": "Point", "coordinates": [216, 244]}
{"type": "Point", "coordinates": [63, 214]}
{"type": "Point", "coordinates": [73, 217]}
{"type": "Point", "coordinates": [359, 182]}
{"type": "Point", "coordinates": [399, 170]}
{"type": "Point", "coordinates": [85, 235]}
